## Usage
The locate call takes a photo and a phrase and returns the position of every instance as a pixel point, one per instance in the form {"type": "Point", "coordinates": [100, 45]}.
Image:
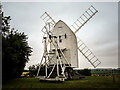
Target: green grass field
{"type": "Point", "coordinates": [106, 72]}
{"type": "Point", "coordinates": [90, 82]}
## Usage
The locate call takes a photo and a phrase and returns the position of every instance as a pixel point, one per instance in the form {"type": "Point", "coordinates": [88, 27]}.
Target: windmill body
{"type": "Point", "coordinates": [67, 42]}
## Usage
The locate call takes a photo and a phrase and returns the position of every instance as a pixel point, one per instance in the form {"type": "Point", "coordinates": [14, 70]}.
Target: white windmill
{"type": "Point", "coordinates": [61, 46]}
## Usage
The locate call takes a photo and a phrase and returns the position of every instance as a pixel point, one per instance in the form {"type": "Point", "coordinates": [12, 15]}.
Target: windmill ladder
{"type": "Point", "coordinates": [94, 62]}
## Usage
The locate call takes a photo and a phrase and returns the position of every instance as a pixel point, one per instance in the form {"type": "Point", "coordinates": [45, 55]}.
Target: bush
{"type": "Point", "coordinates": [86, 72]}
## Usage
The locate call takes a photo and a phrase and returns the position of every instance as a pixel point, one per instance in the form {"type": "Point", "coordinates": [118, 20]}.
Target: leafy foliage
{"type": "Point", "coordinates": [86, 72]}
{"type": "Point", "coordinates": [15, 51]}
{"type": "Point", "coordinates": [34, 69]}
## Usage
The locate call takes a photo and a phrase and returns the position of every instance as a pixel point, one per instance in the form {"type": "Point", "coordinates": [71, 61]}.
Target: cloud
{"type": "Point", "coordinates": [99, 34]}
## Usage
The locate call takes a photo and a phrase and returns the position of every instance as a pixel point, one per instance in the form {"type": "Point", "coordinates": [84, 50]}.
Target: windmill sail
{"type": "Point", "coordinates": [49, 23]}
{"type": "Point", "coordinates": [46, 18]}
{"type": "Point", "coordinates": [88, 54]}
{"type": "Point", "coordinates": [84, 18]}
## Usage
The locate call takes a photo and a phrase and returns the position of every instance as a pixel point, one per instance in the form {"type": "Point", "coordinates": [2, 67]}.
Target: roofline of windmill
{"type": "Point", "coordinates": [66, 25]}
{"type": "Point", "coordinates": [70, 30]}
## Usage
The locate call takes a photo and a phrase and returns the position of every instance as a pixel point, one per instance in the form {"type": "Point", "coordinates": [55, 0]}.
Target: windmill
{"type": "Point", "coordinates": [61, 47]}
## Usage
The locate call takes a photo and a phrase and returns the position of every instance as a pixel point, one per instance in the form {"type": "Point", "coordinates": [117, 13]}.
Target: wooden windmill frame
{"type": "Point", "coordinates": [49, 38]}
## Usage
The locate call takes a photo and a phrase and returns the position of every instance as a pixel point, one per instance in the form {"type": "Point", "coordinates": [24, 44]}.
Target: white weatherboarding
{"type": "Point", "coordinates": [61, 47]}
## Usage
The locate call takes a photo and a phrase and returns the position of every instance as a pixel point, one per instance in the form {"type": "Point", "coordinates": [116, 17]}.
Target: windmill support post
{"type": "Point", "coordinates": [45, 51]}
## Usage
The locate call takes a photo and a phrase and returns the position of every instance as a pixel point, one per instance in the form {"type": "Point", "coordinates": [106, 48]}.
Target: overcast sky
{"type": "Point", "coordinates": [100, 34]}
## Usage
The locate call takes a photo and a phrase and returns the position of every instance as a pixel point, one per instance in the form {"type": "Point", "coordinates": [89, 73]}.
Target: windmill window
{"type": "Point", "coordinates": [60, 27]}
{"type": "Point", "coordinates": [50, 36]}
{"type": "Point", "coordinates": [65, 36]}
{"type": "Point", "coordinates": [60, 39]}
{"type": "Point", "coordinates": [57, 57]}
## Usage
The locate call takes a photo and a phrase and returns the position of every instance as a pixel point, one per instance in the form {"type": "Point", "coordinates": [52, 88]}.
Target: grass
{"type": "Point", "coordinates": [106, 72]}
{"type": "Point", "coordinates": [90, 82]}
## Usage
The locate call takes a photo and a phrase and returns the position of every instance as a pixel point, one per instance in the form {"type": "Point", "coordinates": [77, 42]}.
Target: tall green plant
{"type": "Point", "coordinates": [15, 51]}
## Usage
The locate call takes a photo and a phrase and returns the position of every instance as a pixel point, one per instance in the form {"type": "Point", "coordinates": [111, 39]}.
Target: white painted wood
{"type": "Point", "coordinates": [69, 43]}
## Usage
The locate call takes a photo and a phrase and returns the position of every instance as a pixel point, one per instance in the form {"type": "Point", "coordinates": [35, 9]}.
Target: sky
{"type": "Point", "coordinates": [100, 33]}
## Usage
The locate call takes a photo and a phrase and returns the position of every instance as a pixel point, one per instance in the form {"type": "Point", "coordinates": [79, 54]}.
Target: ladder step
{"type": "Point", "coordinates": [89, 54]}
{"type": "Point", "coordinates": [86, 51]}
{"type": "Point", "coordinates": [88, 13]}
{"type": "Point", "coordinates": [95, 61]}
{"type": "Point", "coordinates": [47, 19]}
{"type": "Point", "coordinates": [85, 16]}
{"type": "Point", "coordinates": [77, 25]}
{"type": "Point", "coordinates": [98, 64]}
{"type": "Point", "coordinates": [90, 10]}
{"type": "Point", "coordinates": [79, 21]}
{"type": "Point", "coordinates": [73, 27]}
{"type": "Point", "coordinates": [43, 15]}
{"type": "Point", "coordinates": [83, 48]}
{"type": "Point", "coordinates": [93, 8]}
{"type": "Point", "coordinates": [81, 44]}
{"type": "Point", "coordinates": [82, 19]}
{"type": "Point", "coordinates": [92, 57]}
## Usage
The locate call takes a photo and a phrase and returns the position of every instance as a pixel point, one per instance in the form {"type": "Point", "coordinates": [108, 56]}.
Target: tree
{"type": "Point", "coordinates": [32, 70]}
{"type": "Point", "coordinates": [15, 51]}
